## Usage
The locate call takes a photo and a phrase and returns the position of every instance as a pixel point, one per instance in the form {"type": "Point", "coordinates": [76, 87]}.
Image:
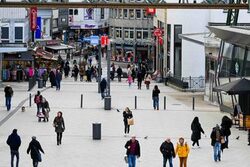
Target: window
{"type": "Point", "coordinates": [116, 13]}
{"type": "Point", "coordinates": [145, 14]}
{"type": "Point", "coordinates": [131, 13]}
{"type": "Point", "coordinates": [131, 33]}
{"type": "Point", "coordinates": [5, 34]}
{"type": "Point", "coordinates": [120, 13]}
{"type": "Point", "coordinates": [138, 34]}
{"type": "Point", "coordinates": [125, 13]}
{"type": "Point", "coordinates": [118, 31]}
{"type": "Point", "coordinates": [102, 13]}
{"type": "Point", "coordinates": [126, 33]}
{"type": "Point", "coordinates": [138, 13]}
{"type": "Point", "coordinates": [18, 34]}
{"type": "Point", "coordinates": [70, 11]}
{"type": "Point", "coordinates": [145, 33]}
{"type": "Point", "coordinates": [76, 12]}
{"type": "Point", "coordinates": [112, 31]}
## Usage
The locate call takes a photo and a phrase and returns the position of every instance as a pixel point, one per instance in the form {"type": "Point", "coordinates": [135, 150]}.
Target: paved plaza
{"type": "Point", "coordinates": [79, 150]}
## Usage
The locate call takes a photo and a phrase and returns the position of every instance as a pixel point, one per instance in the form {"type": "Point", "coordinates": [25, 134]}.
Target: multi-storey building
{"type": "Point", "coordinates": [131, 34]}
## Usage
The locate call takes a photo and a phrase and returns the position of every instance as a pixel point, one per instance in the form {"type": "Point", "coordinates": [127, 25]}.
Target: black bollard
{"type": "Point", "coordinates": [249, 137]}
{"type": "Point", "coordinates": [135, 102]}
{"type": "Point", "coordinates": [30, 99]}
{"type": "Point", "coordinates": [193, 103]}
{"type": "Point", "coordinates": [165, 103]}
{"type": "Point", "coordinates": [81, 100]}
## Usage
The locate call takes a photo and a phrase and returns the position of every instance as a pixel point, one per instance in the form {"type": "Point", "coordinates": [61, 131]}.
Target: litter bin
{"type": "Point", "coordinates": [96, 127]}
{"type": "Point", "coordinates": [40, 83]}
{"type": "Point", "coordinates": [107, 103]}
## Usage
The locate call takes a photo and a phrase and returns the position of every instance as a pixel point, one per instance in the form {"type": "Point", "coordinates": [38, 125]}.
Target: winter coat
{"type": "Point", "coordinates": [52, 78]}
{"type": "Point", "coordinates": [14, 141]}
{"type": "Point", "coordinates": [59, 124]}
{"type": "Point", "coordinates": [119, 71]}
{"type": "Point", "coordinates": [196, 131]}
{"type": "Point", "coordinates": [139, 76]}
{"type": "Point", "coordinates": [182, 150]}
{"type": "Point", "coordinates": [213, 136]}
{"type": "Point", "coordinates": [34, 148]}
{"type": "Point", "coordinates": [155, 93]}
{"type": "Point", "coordinates": [103, 85]}
{"type": "Point", "coordinates": [8, 91]}
{"type": "Point", "coordinates": [58, 76]}
{"type": "Point", "coordinates": [167, 149]}
{"type": "Point", "coordinates": [137, 148]}
{"type": "Point", "coordinates": [226, 125]}
{"type": "Point", "coordinates": [126, 116]}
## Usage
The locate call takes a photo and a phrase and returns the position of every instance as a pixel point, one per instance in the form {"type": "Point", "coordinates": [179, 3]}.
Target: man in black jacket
{"type": "Point", "coordinates": [14, 141]}
{"type": "Point", "coordinates": [8, 95]}
{"type": "Point", "coordinates": [103, 86]}
{"type": "Point", "coordinates": [167, 150]}
{"type": "Point", "coordinates": [119, 73]}
{"type": "Point", "coordinates": [133, 151]}
{"type": "Point", "coordinates": [34, 150]}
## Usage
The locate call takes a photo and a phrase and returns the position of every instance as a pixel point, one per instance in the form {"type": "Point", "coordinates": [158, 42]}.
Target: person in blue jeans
{"type": "Point", "coordinates": [8, 95]}
{"type": "Point", "coordinates": [14, 142]}
{"type": "Point", "coordinates": [58, 79]}
{"type": "Point", "coordinates": [168, 152]}
{"type": "Point", "coordinates": [133, 151]}
{"type": "Point", "coordinates": [216, 138]}
{"type": "Point", "coordinates": [155, 96]}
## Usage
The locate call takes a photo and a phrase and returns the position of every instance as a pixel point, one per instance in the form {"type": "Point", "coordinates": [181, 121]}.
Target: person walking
{"type": "Point", "coordinates": [133, 74]}
{"type": "Point", "coordinates": [58, 79]}
{"type": "Point", "coordinates": [182, 150]}
{"type": "Point", "coordinates": [81, 73]}
{"type": "Point", "coordinates": [45, 77]}
{"type": "Point", "coordinates": [133, 151]}
{"type": "Point", "coordinates": [8, 95]}
{"type": "Point", "coordinates": [119, 73]}
{"type": "Point", "coordinates": [139, 79]}
{"type": "Point", "coordinates": [216, 138]}
{"type": "Point", "coordinates": [76, 71]}
{"type": "Point", "coordinates": [155, 96]}
{"type": "Point", "coordinates": [196, 131]}
{"type": "Point", "coordinates": [147, 80]}
{"type": "Point", "coordinates": [168, 152]}
{"type": "Point", "coordinates": [59, 127]}
{"type": "Point", "coordinates": [226, 124]}
{"type": "Point", "coordinates": [14, 142]}
{"type": "Point", "coordinates": [38, 100]}
{"type": "Point", "coordinates": [52, 78]}
{"type": "Point", "coordinates": [103, 86]}
{"type": "Point", "coordinates": [34, 150]}
{"type": "Point", "coordinates": [66, 70]}
{"type": "Point", "coordinates": [127, 114]}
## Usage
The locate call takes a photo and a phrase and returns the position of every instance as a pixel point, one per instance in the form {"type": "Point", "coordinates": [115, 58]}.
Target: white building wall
{"type": "Point", "coordinates": [220, 16]}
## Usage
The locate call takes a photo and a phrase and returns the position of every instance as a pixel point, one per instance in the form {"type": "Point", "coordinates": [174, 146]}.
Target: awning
{"type": "Point", "coordinates": [240, 86]}
{"type": "Point", "coordinates": [234, 35]}
{"type": "Point", "coordinates": [22, 56]}
{"type": "Point", "coordinates": [60, 47]}
{"type": "Point", "coordinates": [40, 53]}
{"type": "Point", "coordinates": [12, 49]}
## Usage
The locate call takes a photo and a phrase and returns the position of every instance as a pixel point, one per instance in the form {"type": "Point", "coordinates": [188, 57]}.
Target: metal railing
{"type": "Point", "coordinates": [195, 82]}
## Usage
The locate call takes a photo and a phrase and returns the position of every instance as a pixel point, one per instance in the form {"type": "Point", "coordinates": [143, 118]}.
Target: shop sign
{"type": "Point", "coordinates": [160, 41]}
{"type": "Point", "coordinates": [33, 18]}
{"type": "Point", "coordinates": [38, 28]}
{"type": "Point", "coordinates": [157, 32]}
{"type": "Point", "coordinates": [94, 40]}
{"type": "Point", "coordinates": [104, 40]}
{"type": "Point", "coordinates": [151, 11]}
{"type": "Point", "coordinates": [52, 42]}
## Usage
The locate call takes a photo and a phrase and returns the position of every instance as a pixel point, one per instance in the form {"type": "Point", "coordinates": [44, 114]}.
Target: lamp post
{"type": "Point", "coordinates": [99, 67]}
{"type": "Point", "coordinates": [107, 99]}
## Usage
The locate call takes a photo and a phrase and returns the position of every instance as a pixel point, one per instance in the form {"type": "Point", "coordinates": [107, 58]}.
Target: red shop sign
{"type": "Point", "coordinates": [104, 40]}
{"type": "Point", "coordinates": [160, 41]}
{"type": "Point", "coordinates": [157, 32]}
{"type": "Point", "coordinates": [151, 11]}
{"type": "Point", "coordinates": [33, 18]}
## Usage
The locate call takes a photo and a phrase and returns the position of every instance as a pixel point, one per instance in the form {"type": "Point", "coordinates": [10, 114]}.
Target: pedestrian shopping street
{"type": "Point", "coordinates": [79, 150]}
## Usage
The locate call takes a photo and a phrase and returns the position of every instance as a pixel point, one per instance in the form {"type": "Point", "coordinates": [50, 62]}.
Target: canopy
{"type": "Point", "coordinates": [241, 86]}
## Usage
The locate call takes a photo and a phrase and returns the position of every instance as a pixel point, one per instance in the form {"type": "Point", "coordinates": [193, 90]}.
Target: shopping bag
{"type": "Point", "coordinates": [130, 121]}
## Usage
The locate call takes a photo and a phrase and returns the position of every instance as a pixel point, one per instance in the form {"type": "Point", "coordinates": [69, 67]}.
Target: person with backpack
{"type": "Point", "coordinates": [34, 150]}
{"type": "Point", "coordinates": [14, 141]}
{"type": "Point", "coordinates": [168, 152]}
{"type": "Point", "coordinates": [8, 95]}
{"type": "Point", "coordinates": [216, 141]}
{"type": "Point", "coordinates": [38, 101]}
{"type": "Point", "coordinates": [182, 150]}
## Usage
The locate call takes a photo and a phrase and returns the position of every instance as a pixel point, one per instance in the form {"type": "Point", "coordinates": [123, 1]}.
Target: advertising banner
{"type": "Point", "coordinates": [89, 14]}
{"type": "Point", "coordinates": [38, 28]}
{"type": "Point", "coordinates": [33, 18]}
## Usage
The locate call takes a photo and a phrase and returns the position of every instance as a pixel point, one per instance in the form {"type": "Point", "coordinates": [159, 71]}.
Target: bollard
{"type": "Point", "coordinates": [193, 103]}
{"type": "Point", "coordinates": [165, 104]}
{"type": "Point", "coordinates": [135, 102]}
{"type": "Point", "coordinates": [249, 137]}
{"type": "Point", "coordinates": [81, 100]}
{"type": "Point", "coordinates": [30, 99]}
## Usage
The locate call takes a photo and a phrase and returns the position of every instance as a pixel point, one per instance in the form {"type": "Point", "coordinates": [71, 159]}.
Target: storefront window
{"type": "Point", "coordinates": [138, 13]}
{"type": "Point", "coordinates": [125, 13]}
{"type": "Point", "coordinates": [131, 13]}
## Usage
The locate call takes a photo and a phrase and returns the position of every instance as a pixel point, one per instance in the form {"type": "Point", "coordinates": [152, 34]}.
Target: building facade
{"type": "Point", "coordinates": [131, 34]}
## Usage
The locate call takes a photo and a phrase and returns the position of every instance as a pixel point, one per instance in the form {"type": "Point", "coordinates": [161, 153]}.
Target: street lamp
{"type": "Point", "coordinates": [107, 99]}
